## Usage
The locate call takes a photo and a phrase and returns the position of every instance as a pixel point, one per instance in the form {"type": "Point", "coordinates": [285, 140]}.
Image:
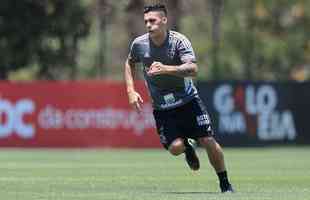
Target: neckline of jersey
{"type": "Point", "coordinates": [163, 44]}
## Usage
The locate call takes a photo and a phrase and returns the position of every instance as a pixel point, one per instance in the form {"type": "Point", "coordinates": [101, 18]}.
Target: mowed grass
{"type": "Point", "coordinates": [277, 173]}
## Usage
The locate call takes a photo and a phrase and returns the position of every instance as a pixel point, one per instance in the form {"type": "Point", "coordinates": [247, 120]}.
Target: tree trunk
{"type": "Point", "coordinates": [249, 50]}
{"type": "Point", "coordinates": [174, 14]}
{"type": "Point", "coordinates": [103, 11]}
{"type": "Point", "coordinates": [3, 73]}
{"type": "Point", "coordinates": [216, 7]}
{"type": "Point", "coordinates": [72, 58]}
{"type": "Point", "coordinates": [249, 46]}
{"type": "Point", "coordinates": [134, 22]}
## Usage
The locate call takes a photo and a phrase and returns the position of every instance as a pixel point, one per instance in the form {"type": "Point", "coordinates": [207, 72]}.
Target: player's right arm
{"type": "Point", "coordinates": [134, 97]}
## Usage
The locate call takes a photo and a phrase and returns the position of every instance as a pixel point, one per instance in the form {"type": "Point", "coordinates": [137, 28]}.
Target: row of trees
{"type": "Point", "coordinates": [71, 39]}
{"type": "Point", "coordinates": [45, 33]}
{"type": "Point", "coordinates": [267, 39]}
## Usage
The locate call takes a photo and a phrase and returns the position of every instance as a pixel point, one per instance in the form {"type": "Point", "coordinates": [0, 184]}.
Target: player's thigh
{"type": "Point", "coordinates": [197, 122]}
{"type": "Point", "coordinates": [167, 129]}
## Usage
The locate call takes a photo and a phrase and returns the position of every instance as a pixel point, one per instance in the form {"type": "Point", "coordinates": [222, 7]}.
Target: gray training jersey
{"type": "Point", "coordinates": [167, 91]}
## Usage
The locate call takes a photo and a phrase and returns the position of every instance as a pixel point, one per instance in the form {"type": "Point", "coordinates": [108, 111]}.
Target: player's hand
{"type": "Point", "coordinates": [135, 100]}
{"type": "Point", "coordinates": [157, 68]}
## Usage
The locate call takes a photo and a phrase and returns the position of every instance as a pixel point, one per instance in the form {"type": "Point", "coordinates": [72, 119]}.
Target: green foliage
{"type": "Point", "coordinates": [259, 39]}
{"type": "Point", "coordinates": [267, 38]}
{"type": "Point", "coordinates": [45, 32]}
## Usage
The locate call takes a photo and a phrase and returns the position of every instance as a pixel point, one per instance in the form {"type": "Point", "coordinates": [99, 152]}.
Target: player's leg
{"type": "Point", "coordinates": [172, 139]}
{"type": "Point", "coordinates": [202, 131]}
{"type": "Point", "coordinates": [216, 158]}
{"type": "Point", "coordinates": [214, 151]}
{"type": "Point", "coordinates": [191, 156]}
{"type": "Point", "coordinates": [168, 133]}
{"type": "Point", "coordinates": [177, 147]}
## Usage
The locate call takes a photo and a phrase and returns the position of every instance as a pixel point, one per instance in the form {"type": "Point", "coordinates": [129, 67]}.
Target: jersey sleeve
{"type": "Point", "coordinates": [133, 53]}
{"type": "Point", "coordinates": [186, 51]}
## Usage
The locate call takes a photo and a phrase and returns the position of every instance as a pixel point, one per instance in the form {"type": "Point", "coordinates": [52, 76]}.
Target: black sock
{"type": "Point", "coordinates": [223, 178]}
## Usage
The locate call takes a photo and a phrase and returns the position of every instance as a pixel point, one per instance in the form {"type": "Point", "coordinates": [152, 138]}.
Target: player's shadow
{"type": "Point", "coordinates": [184, 193]}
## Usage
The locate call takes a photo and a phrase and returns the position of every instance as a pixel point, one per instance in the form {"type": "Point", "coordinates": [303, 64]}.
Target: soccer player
{"type": "Point", "coordinates": [169, 63]}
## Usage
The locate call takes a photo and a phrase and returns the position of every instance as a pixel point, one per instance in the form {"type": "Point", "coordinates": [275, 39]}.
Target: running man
{"type": "Point", "coordinates": [169, 63]}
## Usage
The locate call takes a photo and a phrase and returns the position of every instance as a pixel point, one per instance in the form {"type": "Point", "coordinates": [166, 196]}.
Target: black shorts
{"type": "Point", "coordinates": [188, 121]}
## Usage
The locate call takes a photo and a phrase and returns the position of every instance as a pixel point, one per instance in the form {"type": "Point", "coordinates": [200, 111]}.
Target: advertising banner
{"type": "Point", "coordinates": [250, 113]}
{"type": "Point", "coordinates": [96, 114]}
{"type": "Point", "coordinates": [73, 114]}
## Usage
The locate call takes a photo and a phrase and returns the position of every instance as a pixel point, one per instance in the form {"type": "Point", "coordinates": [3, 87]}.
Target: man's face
{"type": "Point", "coordinates": [155, 22]}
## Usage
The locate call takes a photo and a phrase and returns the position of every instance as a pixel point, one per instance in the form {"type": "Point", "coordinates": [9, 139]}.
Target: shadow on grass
{"type": "Point", "coordinates": [184, 193]}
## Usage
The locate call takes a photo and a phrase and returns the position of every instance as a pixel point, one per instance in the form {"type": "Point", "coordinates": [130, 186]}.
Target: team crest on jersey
{"type": "Point", "coordinates": [171, 53]}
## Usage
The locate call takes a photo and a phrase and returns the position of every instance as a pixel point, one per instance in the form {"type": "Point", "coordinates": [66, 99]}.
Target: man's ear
{"type": "Point", "coordinates": [165, 20]}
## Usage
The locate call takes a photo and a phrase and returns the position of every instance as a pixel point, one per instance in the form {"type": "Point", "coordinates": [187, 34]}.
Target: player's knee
{"type": "Point", "coordinates": [177, 147]}
{"type": "Point", "coordinates": [207, 141]}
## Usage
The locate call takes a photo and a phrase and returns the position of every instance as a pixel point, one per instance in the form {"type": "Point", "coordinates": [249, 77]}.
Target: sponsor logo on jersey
{"type": "Point", "coordinates": [203, 120]}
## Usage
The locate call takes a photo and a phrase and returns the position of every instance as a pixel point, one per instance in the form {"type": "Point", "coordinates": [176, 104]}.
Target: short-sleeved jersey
{"type": "Point", "coordinates": [167, 91]}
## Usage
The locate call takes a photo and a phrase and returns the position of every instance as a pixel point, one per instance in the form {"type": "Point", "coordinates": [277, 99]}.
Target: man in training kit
{"type": "Point", "coordinates": [168, 64]}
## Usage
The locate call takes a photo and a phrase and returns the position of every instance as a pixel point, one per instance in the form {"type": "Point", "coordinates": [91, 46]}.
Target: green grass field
{"type": "Point", "coordinates": [256, 173]}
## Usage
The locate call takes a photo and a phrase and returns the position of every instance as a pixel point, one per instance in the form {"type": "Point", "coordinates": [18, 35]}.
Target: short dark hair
{"type": "Point", "coordinates": [155, 7]}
